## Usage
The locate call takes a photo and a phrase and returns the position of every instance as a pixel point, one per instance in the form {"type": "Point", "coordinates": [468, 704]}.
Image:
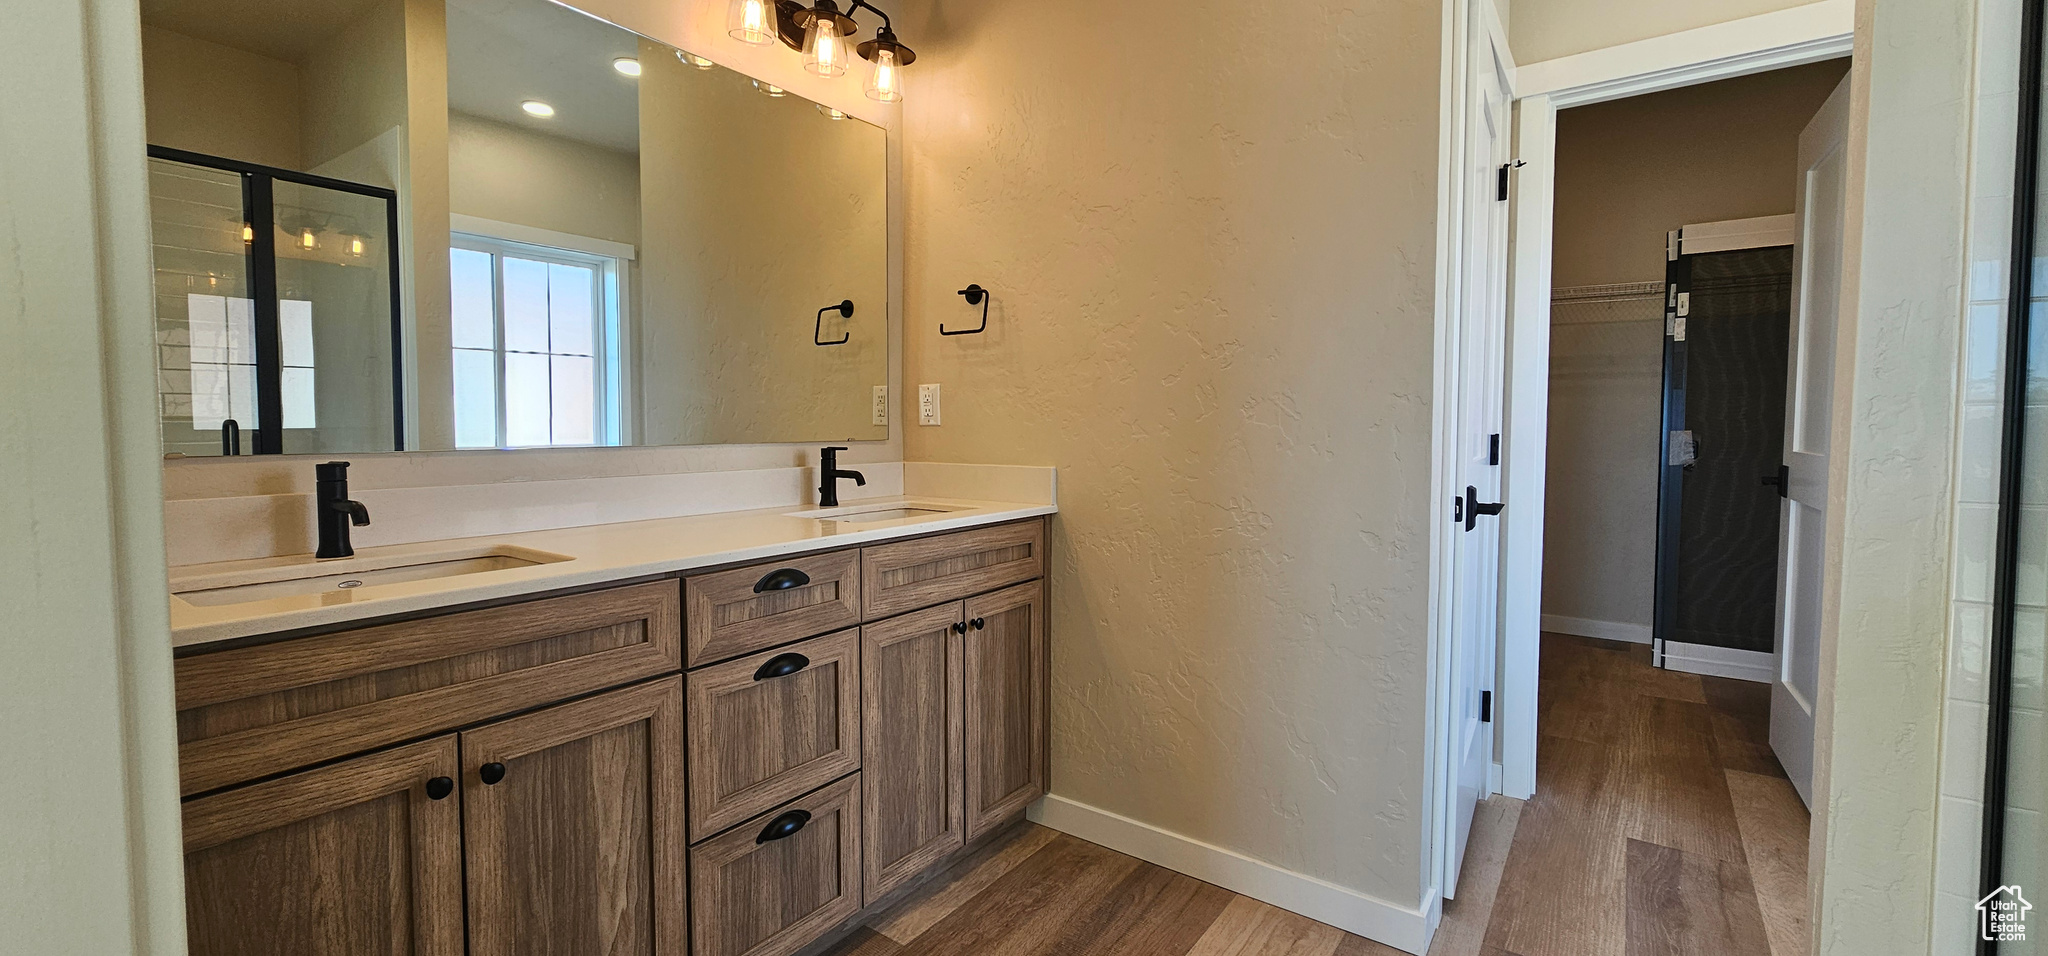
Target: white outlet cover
{"type": "Point", "coordinates": [927, 404]}
{"type": "Point", "coordinates": [881, 406]}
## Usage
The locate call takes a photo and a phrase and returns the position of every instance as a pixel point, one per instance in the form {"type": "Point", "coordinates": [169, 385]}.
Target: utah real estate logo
{"type": "Point", "coordinates": [2002, 915]}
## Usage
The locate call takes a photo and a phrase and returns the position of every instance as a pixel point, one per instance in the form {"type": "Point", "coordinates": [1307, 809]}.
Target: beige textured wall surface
{"type": "Point", "coordinates": [1547, 29]}
{"type": "Point", "coordinates": [1629, 171]}
{"type": "Point", "coordinates": [1886, 611]}
{"type": "Point", "coordinates": [759, 211]}
{"type": "Point", "coordinates": [1212, 255]}
{"type": "Point", "coordinates": [221, 101]}
{"type": "Point", "coordinates": [90, 859]}
{"type": "Point", "coordinates": [502, 172]}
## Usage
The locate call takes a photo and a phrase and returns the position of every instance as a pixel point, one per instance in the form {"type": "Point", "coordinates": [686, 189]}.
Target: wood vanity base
{"type": "Point", "coordinates": [550, 776]}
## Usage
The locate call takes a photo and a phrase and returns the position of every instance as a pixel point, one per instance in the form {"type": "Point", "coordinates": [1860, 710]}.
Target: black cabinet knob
{"type": "Point", "coordinates": [782, 665]}
{"type": "Point", "coordinates": [491, 773]}
{"type": "Point", "coordinates": [440, 787]}
{"type": "Point", "coordinates": [959, 628]}
{"type": "Point", "coordinates": [783, 826]}
{"type": "Point", "coordinates": [977, 624]}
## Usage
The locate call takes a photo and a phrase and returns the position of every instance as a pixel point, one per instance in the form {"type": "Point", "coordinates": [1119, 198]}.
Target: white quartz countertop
{"type": "Point", "coordinates": [595, 555]}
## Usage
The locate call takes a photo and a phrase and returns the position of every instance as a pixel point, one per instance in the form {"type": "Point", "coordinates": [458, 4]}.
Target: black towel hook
{"type": "Point", "coordinates": [975, 295]}
{"type": "Point", "coordinates": [845, 310]}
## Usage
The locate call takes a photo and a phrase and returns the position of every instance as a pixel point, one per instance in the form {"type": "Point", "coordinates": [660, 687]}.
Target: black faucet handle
{"type": "Point", "coordinates": [331, 471]}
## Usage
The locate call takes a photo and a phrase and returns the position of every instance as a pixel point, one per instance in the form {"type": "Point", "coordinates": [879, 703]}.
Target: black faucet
{"type": "Point", "coordinates": [829, 474]}
{"type": "Point", "coordinates": [333, 509]}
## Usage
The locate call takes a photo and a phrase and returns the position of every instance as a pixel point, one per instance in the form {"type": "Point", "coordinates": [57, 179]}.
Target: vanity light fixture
{"type": "Point", "coordinates": [820, 33]}
{"type": "Point", "coordinates": [537, 108]}
{"type": "Point", "coordinates": [627, 66]}
{"type": "Point", "coordinates": [830, 113]}
{"type": "Point", "coordinates": [307, 240]}
{"type": "Point", "coordinates": [248, 233]}
{"type": "Point", "coordinates": [770, 89]}
{"type": "Point", "coordinates": [356, 246]}
{"type": "Point", "coordinates": [692, 59]}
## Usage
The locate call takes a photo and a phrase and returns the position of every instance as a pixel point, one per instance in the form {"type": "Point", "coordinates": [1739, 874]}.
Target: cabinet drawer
{"type": "Point", "coordinates": [914, 574]}
{"type": "Point", "coordinates": [765, 728]}
{"type": "Point", "coordinates": [775, 602]}
{"type": "Point", "coordinates": [777, 882]}
{"type": "Point", "coordinates": [261, 710]}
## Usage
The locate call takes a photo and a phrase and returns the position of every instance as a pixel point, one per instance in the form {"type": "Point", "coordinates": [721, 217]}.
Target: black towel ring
{"type": "Point", "coordinates": [975, 295]}
{"type": "Point", "coordinates": [845, 310]}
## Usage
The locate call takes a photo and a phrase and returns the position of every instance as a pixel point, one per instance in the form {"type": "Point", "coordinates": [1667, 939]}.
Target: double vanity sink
{"type": "Point", "coordinates": [722, 735]}
{"type": "Point", "coordinates": [240, 599]}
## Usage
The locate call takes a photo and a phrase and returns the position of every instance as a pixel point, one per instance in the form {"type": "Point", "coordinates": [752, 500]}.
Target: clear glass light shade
{"type": "Point", "coordinates": [825, 51]}
{"type": "Point", "coordinates": [751, 21]}
{"type": "Point", "coordinates": [885, 80]}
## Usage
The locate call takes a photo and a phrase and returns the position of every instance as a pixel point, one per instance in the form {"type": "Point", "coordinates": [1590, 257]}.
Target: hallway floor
{"type": "Point", "coordinates": [1662, 825]}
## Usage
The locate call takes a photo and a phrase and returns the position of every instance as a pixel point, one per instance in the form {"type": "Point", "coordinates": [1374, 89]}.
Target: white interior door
{"type": "Point", "coordinates": [1482, 321]}
{"type": "Point", "coordinates": [1809, 406]}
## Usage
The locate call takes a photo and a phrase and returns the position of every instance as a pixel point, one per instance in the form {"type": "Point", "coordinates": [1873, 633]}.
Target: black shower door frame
{"type": "Point", "coordinates": [259, 211]}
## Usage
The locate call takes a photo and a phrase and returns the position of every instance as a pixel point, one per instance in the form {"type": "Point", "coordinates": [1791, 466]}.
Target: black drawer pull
{"type": "Point", "coordinates": [977, 624]}
{"type": "Point", "coordinates": [783, 826]}
{"type": "Point", "coordinates": [439, 788]}
{"type": "Point", "coordinates": [491, 773]}
{"type": "Point", "coordinates": [782, 665]}
{"type": "Point", "coordinates": [781, 579]}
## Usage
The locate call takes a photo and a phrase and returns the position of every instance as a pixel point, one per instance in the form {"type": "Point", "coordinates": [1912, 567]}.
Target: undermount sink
{"type": "Point", "coordinates": [313, 576]}
{"type": "Point", "coordinates": [886, 511]}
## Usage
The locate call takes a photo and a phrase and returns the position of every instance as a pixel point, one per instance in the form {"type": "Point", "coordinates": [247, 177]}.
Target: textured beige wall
{"type": "Point", "coordinates": [1212, 254]}
{"type": "Point", "coordinates": [90, 861]}
{"type": "Point", "coordinates": [502, 172]}
{"type": "Point", "coordinates": [758, 212]}
{"type": "Point", "coordinates": [221, 101]}
{"type": "Point", "coordinates": [1628, 172]}
{"type": "Point", "coordinates": [1546, 29]}
{"type": "Point", "coordinates": [1886, 610]}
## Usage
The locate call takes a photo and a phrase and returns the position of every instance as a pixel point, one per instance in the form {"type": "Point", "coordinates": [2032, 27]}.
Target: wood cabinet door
{"type": "Point", "coordinates": [573, 829]}
{"type": "Point", "coordinates": [353, 859]}
{"type": "Point", "coordinates": [910, 745]}
{"type": "Point", "coordinates": [767, 728]}
{"type": "Point", "coordinates": [1005, 705]}
{"type": "Point", "coordinates": [774, 884]}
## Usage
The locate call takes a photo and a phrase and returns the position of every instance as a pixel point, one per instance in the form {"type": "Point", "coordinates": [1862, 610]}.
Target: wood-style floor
{"type": "Point", "coordinates": [1662, 825]}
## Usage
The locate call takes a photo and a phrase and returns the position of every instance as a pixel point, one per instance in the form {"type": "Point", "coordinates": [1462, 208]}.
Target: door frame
{"type": "Point", "coordinates": [1799, 35]}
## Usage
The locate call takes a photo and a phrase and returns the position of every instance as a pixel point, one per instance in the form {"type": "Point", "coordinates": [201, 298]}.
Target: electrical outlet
{"type": "Point", "coordinates": [927, 404]}
{"type": "Point", "coordinates": [880, 415]}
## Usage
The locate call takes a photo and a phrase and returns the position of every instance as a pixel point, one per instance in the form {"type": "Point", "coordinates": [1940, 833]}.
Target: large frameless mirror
{"type": "Point", "coordinates": [450, 224]}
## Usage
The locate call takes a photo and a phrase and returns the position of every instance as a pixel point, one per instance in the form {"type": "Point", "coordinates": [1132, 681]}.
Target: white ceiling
{"type": "Point", "coordinates": [504, 52]}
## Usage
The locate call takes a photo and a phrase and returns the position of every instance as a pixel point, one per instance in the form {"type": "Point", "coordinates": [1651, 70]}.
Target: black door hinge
{"type": "Point", "coordinates": [1486, 706]}
{"type": "Point", "coordinates": [1501, 193]}
{"type": "Point", "coordinates": [1493, 449]}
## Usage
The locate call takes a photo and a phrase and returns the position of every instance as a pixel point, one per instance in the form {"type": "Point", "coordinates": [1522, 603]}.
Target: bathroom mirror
{"type": "Point", "coordinates": [450, 224]}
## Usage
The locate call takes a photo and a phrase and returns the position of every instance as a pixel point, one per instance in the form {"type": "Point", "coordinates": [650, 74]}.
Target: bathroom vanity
{"type": "Point", "coordinates": [734, 755]}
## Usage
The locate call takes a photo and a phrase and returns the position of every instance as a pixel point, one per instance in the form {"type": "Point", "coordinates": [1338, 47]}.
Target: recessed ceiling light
{"type": "Point", "coordinates": [537, 108]}
{"type": "Point", "coordinates": [627, 66]}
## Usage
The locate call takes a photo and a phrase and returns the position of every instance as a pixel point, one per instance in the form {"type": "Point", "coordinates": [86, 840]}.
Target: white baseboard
{"type": "Point", "coordinates": [1759, 666]}
{"type": "Point", "coordinates": [1493, 778]}
{"type": "Point", "coordinates": [1604, 630]}
{"type": "Point", "coordinates": [1402, 927]}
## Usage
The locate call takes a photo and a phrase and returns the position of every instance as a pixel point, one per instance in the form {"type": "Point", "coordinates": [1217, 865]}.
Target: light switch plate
{"type": "Point", "coordinates": [927, 404]}
{"type": "Point", "coordinates": [880, 416]}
